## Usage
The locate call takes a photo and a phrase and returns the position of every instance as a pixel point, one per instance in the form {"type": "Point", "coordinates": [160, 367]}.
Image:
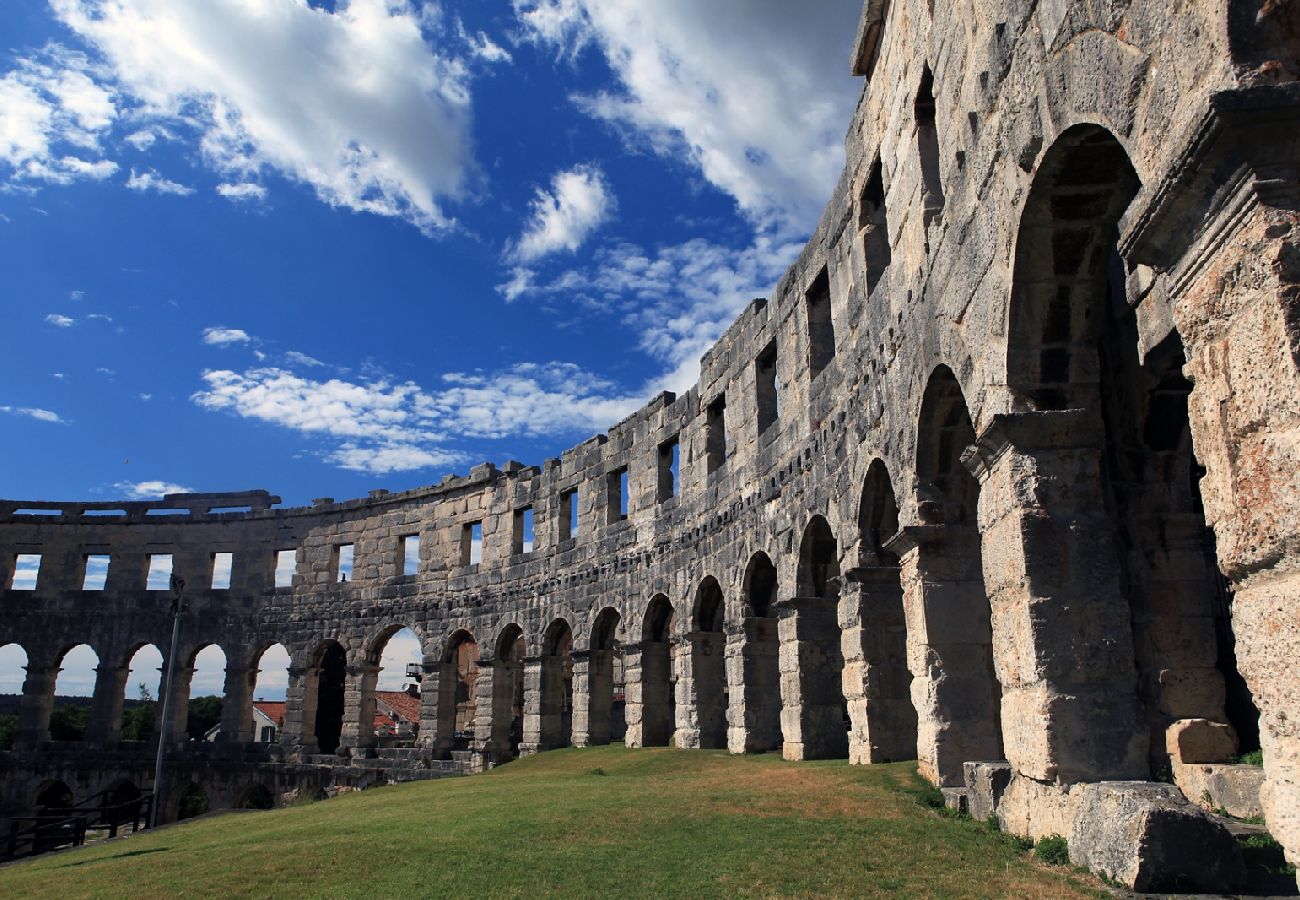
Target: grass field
{"type": "Point", "coordinates": [578, 823]}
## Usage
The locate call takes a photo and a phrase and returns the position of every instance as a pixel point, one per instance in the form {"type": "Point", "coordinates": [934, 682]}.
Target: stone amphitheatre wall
{"type": "Point", "coordinates": [1005, 467]}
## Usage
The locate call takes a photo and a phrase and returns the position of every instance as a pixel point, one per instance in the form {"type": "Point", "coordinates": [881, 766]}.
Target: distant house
{"type": "Point", "coordinates": [397, 713]}
{"type": "Point", "coordinates": [268, 719]}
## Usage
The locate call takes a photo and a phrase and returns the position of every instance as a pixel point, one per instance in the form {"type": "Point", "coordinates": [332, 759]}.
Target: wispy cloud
{"type": "Point", "coordinates": [217, 336]}
{"type": "Point", "coordinates": [34, 412]}
{"type": "Point", "coordinates": [241, 191]}
{"type": "Point", "coordinates": [59, 320]}
{"type": "Point", "coordinates": [578, 202]}
{"type": "Point", "coordinates": [149, 490]}
{"type": "Point", "coordinates": [150, 180]}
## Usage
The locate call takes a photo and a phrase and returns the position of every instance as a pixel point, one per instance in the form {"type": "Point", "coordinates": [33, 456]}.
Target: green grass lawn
{"type": "Point", "coordinates": [576, 823]}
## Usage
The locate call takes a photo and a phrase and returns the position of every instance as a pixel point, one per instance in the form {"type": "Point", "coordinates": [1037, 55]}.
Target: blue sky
{"type": "Point", "coordinates": [323, 248]}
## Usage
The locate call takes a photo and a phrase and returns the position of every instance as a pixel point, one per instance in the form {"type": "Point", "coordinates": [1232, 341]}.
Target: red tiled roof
{"type": "Point", "coordinates": [272, 709]}
{"type": "Point", "coordinates": [402, 703]}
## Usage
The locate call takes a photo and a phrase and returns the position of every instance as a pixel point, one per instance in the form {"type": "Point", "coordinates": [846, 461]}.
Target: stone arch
{"type": "Point", "coordinates": [268, 683]}
{"type": "Point", "coordinates": [383, 668]}
{"type": "Point", "coordinates": [755, 713]}
{"type": "Point", "coordinates": [818, 571]}
{"type": "Point", "coordinates": [599, 681]}
{"type": "Point", "coordinates": [457, 694]}
{"type": "Point", "coordinates": [196, 716]}
{"type": "Point", "coordinates": [13, 675]}
{"type": "Point", "coordinates": [500, 733]}
{"type": "Point", "coordinates": [77, 676]}
{"type": "Point", "coordinates": [323, 700]}
{"type": "Point", "coordinates": [702, 696]}
{"type": "Point", "coordinates": [192, 801]}
{"type": "Point", "coordinates": [138, 720]}
{"type": "Point", "coordinates": [52, 797]}
{"type": "Point", "coordinates": [877, 684]}
{"type": "Point", "coordinates": [651, 707]}
{"type": "Point", "coordinates": [548, 691]}
{"type": "Point", "coordinates": [255, 796]}
{"type": "Point", "coordinates": [949, 632]}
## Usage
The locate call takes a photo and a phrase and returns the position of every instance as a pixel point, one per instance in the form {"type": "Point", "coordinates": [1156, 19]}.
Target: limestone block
{"type": "Point", "coordinates": [1190, 693]}
{"type": "Point", "coordinates": [1148, 837]}
{"type": "Point", "coordinates": [1231, 788]}
{"type": "Point", "coordinates": [1200, 741]}
{"type": "Point", "coordinates": [985, 784]}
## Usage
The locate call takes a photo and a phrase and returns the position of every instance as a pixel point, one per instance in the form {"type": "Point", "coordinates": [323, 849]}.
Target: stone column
{"type": "Point", "coordinates": [438, 708]}
{"type": "Point", "coordinates": [812, 700]}
{"type": "Point", "coordinates": [1064, 655]}
{"type": "Point", "coordinates": [583, 664]}
{"type": "Point", "coordinates": [237, 706]}
{"type": "Point", "coordinates": [593, 697]}
{"type": "Point", "coordinates": [35, 706]}
{"type": "Point", "coordinates": [359, 707]}
{"type": "Point", "coordinates": [534, 706]}
{"type": "Point", "coordinates": [299, 729]}
{"type": "Point", "coordinates": [105, 725]}
{"type": "Point", "coordinates": [754, 686]}
{"type": "Point", "coordinates": [877, 685]}
{"type": "Point", "coordinates": [647, 677]}
{"type": "Point", "coordinates": [178, 708]}
{"type": "Point", "coordinates": [485, 745]}
{"type": "Point", "coordinates": [701, 691]}
{"type": "Point", "coordinates": [949, 649]}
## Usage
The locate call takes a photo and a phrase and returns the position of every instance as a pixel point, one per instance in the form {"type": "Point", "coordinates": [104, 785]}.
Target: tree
{"type": "Point", "coordinates": [204, 712]}
{"type": "Point", "coordinates": [68, 722]}
{"type": "Point", "coordinates": [138, 719]}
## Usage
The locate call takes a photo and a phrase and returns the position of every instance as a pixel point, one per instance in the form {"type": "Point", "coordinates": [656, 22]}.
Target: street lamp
{"type": "Point", "coordinates": [178, 607]}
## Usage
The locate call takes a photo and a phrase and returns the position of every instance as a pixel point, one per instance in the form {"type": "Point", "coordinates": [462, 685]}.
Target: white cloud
{"type": "Point", "coordinates": [149, 490]}
{"type": "Point", "coordinates": [578, 203]}
{"type": "Point", "coordinates": [100, 317]}
{"type": "Point", "coordinates": [481, 46]}
{"type": "Point", "coordinates": [60, 320]}
{"type": "Point", "coordinates": [33, 412]}
{"type": "Point", "coordinates": [53, 119]}
{"type": "Point", "coordinates": [145, 397]}
{"type": "Point", "coordinates": [104, 370]}
{"type": "Point", "coordinates": [58, 375]}
{"type": "Point", "coordinates": [217, 335]}
{"type": "Point", "coordinates": [77, 295]}
{"type": "Point", "coordinates": [379, 426]}
{"type": "Point", "coordinates": [303, 359]}
{"type": "Point", "coordinates": [354, 103]}
{"type": "Point", "coordinates": [244, 190]}
{"type": "Point", "coordinates": [744, 88]}
{"type": "Point", "coordinates": [152, 181]}
{"type": "Point", "coordinates": [520, 283]}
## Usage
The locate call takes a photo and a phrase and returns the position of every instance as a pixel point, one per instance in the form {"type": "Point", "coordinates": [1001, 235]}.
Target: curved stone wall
{"type": "Point", "coordinates": [1043, 335]}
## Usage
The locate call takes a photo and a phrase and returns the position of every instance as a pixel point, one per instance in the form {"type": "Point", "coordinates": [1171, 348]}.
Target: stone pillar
{"type": "Point", "coordinates": [593, 697]}
{"type": "Point", "coordinates": [486, 743]}
{"type": "Point", "coordinates": [237, 706]}
{"type": "Point", "coordinates": [949, 649]}
{"type": "Point", "coordinates": [105, 725]}
{"type": "Point", "coordinates": [812, 699]}
{"type": "Point", "coordinates": [432, 735]}
{"type": "Point", "coordinates": [701, 691]}
{"type": "Point", "coordinates": [647, 677]}
{"type": "Point", "coordinates": [534, 706]}
{"type": "Point", "coordinates": [876, 682]}
{"type": "Point", "coordinates": [359, 707]}
{"type": "Point", "coordinates": [178, 708]}
{"type": "Point", "coordinates": [299, 729]}
{"type": "Point", "coordinates": [35, 707]}
{"type": "Point", "coordinates": [754, 686]}
{"type": "Point", "coordinates": [1064, 657]}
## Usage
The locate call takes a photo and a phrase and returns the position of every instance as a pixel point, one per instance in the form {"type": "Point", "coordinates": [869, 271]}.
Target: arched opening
{"type": "Point", "coordinates": [52, 798]}
{"type": "Point", "coordinates": [13, 674]}
{"type": "Point", "coordinates": [704, 696]}
{"type": "Point", "coordinates": [815, 717]}
{"type": "Point", "coordinates": [927, 148]}
{"type": "Point", "coordinates": [73, 690]}
{"type": "Point", "coordinates": [1075, 343]}
{"type": "Point", "coordinates": [548, 723]}
{"type": "Point", "coordinates": [392, 715]}
{"type": "Point", "coordinates": [331, 673]}
{"type": "Point", "coordinates": [257, 796]}
{"type": "Point", "coordinates": [877, 684]}
{"type": "Point", "coordinates": [141, 694]}
{"type": "Point", "coordinates": [201, 714]}
{"type": "Point", "coordinates": [508, 693]}
{"type": "Point", "coordinates": [954, 687]}
{"type": "Point", "coordinates": [758, 720]}
{"type": "Point", "coordinates": [605, 705]}
{"type": "Point", "coordinates": [651, 706]}
{"type": "Point", "coordinates": [193, 802]}
{"type": "Point", "coordinates": [457, 703]}
{"type": "Point", "coordinates": [270, 690]}
{"type": "Point", "coordinates": [873, 226]}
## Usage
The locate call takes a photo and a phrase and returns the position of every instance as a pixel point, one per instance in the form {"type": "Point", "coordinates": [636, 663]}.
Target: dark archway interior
{"type": "Point", "coordinates": [877, 517]}
{"type": "Point", "coordinates": [329, 697]}
{"type": "Point", "coordinates": [819, 566]}
{"type": "Point", "coordinates": [658, 690]}
{"type": "Point", "coordinates": [53, 798]}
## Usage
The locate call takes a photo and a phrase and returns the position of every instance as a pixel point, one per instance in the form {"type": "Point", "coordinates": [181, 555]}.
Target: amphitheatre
{"type": "Point", "coordinates": [1002, 477]}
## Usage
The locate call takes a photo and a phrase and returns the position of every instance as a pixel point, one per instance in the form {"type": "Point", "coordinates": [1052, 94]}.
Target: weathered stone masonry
{"type": "Point", "coordinates": [978, 484]}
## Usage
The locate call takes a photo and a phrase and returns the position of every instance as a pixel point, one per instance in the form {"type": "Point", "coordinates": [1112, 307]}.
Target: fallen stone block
{"type": "Point", "coordinates": [985, 783]}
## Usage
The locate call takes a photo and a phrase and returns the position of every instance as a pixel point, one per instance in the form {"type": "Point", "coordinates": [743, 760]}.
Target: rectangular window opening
{"type": "Point", "coordinates": [568, 514]}
{"type": "Point", "coordinates": [523, 539]}
{"type": "Point", "coordinates": [471, 544]}
{"type": "Point", "coordinates": [286, 563]}
{"type": "Point", "coordinates": [821, 328]}
{"type": "Point", "coordinates": [715, 438]}
{"type": "Point", "coordinates": [617, 501]}
{"type": "Point", "coordinates": [343, 555]}
{"type": "Point", "coordinates": [160, 572]}
{"type": "Point", "coordinates": [96, 577]}
{"type": "Point", "coordinates": [410, 546]}
{"type": "Point", "coordinates": [27, 567]}
{"type": "Point", "coordinates": [221, 566]}
{"type": "Point", "coordinates": [768, 393]}
{"type": "Point", "coordinates": [669, 467]}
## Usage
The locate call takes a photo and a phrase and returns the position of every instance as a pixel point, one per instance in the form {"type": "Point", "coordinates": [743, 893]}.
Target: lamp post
{"type": "Point", "coordinates": [178, 607]}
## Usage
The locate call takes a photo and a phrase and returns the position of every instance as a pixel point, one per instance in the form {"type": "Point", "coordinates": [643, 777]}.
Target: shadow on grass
{"type": "Point", "coordinates": [86, 862]}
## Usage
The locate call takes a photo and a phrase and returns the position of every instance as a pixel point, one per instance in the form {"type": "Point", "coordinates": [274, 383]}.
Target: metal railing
{"type": "Point", "coordinates": [32, 835]}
